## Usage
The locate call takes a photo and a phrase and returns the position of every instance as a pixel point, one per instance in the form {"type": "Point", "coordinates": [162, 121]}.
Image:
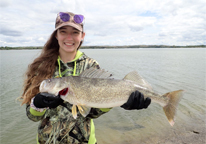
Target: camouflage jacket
{"type": "Point", "coordinates": [58, 125]}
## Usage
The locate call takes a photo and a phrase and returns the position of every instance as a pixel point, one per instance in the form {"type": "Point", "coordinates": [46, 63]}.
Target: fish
{"type": "Point", "coordinates": [95, 88]}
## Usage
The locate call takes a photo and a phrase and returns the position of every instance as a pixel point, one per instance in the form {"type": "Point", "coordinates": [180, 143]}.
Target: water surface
{"type": "Point", "coordinates": [165, 69]}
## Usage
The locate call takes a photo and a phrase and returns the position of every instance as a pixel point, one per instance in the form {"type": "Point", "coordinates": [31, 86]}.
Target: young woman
{"type": "Point", "coordinates": [61, 57]}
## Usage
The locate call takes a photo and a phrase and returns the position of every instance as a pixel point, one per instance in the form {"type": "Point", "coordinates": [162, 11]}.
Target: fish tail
{"type": "Point", "coordinates": [170, 108]}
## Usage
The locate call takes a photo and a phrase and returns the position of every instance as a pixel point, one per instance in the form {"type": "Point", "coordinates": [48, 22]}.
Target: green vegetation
{"type": "Point", "coordinates": [143, 46]}
{"type": "Point", "coordinates": [107, 47]}
{"type": "Point", "coordinates": [20, 48]}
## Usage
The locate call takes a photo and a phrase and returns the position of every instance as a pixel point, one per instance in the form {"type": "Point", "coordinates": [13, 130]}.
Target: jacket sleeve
{"type": "Point", "coordinates": [33, 114]}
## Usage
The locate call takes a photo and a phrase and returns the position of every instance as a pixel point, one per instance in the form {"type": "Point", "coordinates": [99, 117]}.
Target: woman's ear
{"type": "Point", "coordinates": [83, 35]}
{"type": "Point", "coordinates": [56, 36]}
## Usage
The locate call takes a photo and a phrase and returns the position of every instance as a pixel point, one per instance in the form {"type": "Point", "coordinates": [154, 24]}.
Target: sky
{"type": "Point", "coordinates": [107, 22]}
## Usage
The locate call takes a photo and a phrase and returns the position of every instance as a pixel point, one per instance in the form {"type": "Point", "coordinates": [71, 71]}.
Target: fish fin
{"type": "Point", "coordinates": [74, 111]}
{"type": "Point", "coordinates": [84, 110]}
{"type": "Point", "coordinates": [170, 108]}
{"type": "Point", "coordinates": [135, 77]}
{"type": "Point", "coordinates": [95, 73]}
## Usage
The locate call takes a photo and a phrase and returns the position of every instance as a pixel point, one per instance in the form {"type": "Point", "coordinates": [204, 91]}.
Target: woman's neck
{"type": "Point", "coordinates": [67, 57]}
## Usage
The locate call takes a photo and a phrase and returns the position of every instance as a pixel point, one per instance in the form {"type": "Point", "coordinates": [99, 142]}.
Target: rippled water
{"type": "Point", "coordinates": [165, 69]}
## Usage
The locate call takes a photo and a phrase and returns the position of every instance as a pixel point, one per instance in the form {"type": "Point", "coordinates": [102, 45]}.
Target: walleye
{"type": "Point", "coordinates": [95, 88]}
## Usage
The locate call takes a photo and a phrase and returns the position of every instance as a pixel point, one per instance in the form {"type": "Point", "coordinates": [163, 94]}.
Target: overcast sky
{"type": "Point", "coordinates": [107, 22]}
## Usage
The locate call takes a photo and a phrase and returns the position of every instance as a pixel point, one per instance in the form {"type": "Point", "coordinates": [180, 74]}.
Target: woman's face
{"type": "Point", "coordinates": [69, 39]}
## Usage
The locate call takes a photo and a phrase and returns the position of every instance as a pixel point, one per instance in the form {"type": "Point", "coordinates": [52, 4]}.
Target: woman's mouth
{"type": "Point", "coordinates": [69, 44]}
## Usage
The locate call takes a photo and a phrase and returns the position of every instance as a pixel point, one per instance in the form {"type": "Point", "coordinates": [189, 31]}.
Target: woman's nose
{"type": "Point", "coordinates": [69, 36]}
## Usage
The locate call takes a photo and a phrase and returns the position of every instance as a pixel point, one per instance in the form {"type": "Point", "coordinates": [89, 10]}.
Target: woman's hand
{"type": "Point", "coordinates": [136, 101]}
{"type": "Point", "coordinates": [43, 100]}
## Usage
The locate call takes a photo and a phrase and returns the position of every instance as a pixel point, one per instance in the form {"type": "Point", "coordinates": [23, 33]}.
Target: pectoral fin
{"type": "Point", "coordinates": [84, 110]}
{"type": "Point", "coordinates": [74, 111]}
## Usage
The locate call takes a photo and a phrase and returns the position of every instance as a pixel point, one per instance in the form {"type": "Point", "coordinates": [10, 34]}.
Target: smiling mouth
{"type": "Point", "coordinates": [68, 44]}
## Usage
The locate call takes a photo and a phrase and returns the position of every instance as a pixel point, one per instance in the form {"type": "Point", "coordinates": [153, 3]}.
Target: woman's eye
{"type": "Point", "coordinates": [62, 32]}
{"type": "Point", "coordinates": [76, 32]}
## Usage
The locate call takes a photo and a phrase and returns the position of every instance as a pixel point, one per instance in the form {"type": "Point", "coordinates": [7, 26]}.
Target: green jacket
{"type": "Point", "coordinates": [58, 125]}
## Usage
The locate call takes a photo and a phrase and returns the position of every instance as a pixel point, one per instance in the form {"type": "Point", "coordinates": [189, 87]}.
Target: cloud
{"type": "Point", "coordinates": [140, 23]}
{"type": "Point", "coordinates": [10, 32]}
{"type": "Point", "coordinates": [186, 25]}
{"type": "Point", "coordinates": [117, 22]}
{"type": "Point", "coordinates": [5, 3]}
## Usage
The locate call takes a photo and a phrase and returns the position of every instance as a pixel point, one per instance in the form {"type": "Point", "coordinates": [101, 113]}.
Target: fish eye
{"type": "Point", "coordinates": [49, 80]}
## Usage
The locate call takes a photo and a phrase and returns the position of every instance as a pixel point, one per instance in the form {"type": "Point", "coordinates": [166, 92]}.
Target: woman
{"type": "Point", "coordinates": [61, 57]}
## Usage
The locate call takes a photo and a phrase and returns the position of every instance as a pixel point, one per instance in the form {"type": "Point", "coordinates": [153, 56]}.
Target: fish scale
{"type": "Point", "coordinates": [101, 91]}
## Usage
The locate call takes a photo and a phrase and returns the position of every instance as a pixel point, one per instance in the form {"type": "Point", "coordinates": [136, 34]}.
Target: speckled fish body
{"type": "Point", "coordinates": [95, 88]}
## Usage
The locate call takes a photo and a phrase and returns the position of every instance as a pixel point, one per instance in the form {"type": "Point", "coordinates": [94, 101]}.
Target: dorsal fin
{"type": "Point", "coordinates": [95, 73]}
{"type": "Point", "coordinates": [135, 77]}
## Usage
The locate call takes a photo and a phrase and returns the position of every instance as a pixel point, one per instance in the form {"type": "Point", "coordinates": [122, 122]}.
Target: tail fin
{"type": "Point", "coordinates": [170, 108]}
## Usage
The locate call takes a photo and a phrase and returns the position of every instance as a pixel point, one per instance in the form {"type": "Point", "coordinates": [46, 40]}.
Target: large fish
{"type": "Point", "coordinates": [95, 88]}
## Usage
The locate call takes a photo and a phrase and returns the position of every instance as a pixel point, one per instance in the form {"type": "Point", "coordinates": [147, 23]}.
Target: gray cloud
{"type": "Point", "coordinates": [135, 28]}
{"type": "Point", "coordinates": [5, 3]}
{"type": "Point", "coordinates": [10, 32]}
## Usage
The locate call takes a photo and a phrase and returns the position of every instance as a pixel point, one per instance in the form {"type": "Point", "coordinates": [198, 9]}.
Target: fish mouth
{"type": "Point", "coordinates": [42, 86]}
{"type": "Point", "coordinates": [45, 87]}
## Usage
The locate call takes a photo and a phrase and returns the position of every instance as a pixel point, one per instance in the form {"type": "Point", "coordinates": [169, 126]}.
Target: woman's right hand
{"type": "Point", "coordinates": [44, 100]}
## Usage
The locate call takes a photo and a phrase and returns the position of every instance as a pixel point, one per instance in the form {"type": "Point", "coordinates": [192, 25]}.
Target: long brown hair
{"type": "Point", "coordinates": [41, 68]}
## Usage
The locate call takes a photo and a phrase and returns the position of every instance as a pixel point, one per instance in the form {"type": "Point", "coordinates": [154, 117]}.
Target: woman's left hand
{"type": "Point", "coordinates": [136, 101]}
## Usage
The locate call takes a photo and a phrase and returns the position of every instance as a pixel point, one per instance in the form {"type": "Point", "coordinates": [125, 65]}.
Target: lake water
{"type": "Point", "coordinates": [165, 69]}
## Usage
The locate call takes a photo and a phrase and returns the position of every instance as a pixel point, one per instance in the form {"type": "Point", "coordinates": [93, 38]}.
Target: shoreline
{"type": "Point", "coordinates": [107, 47]}
{"type": "Point", "coordinates": [194, 134]}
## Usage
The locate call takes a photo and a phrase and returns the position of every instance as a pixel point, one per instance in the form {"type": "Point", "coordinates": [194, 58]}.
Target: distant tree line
{"type": "Point", "coordinates": [107, 47]}
{"type": "Point", "coordinates": [19, 48]}
{"type": "Point", "coordinates": [143, 46]}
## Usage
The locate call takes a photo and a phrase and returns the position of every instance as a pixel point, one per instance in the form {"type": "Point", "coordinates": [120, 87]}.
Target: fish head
{"type": "Point", "coordinates": [68, 95]}
{"type": "Point", "coordinates": [52, 86]}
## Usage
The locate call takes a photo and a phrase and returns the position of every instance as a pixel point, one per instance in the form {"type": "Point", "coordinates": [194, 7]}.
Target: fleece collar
{"type": "Point", "coordinates": [78, 56]}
